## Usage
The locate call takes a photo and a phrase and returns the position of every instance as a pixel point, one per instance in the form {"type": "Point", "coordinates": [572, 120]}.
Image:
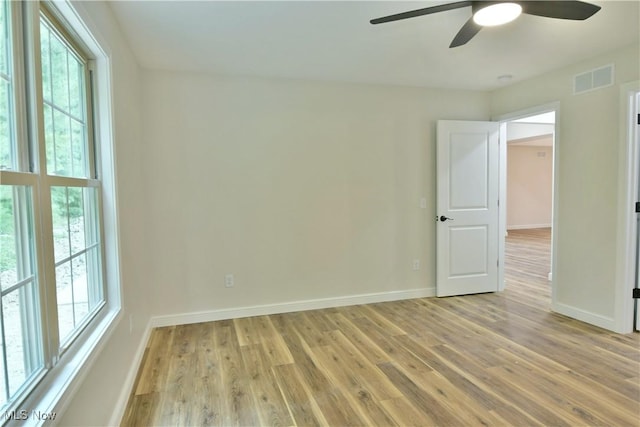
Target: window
{"type": "Point", "coordinates": [52, 276]}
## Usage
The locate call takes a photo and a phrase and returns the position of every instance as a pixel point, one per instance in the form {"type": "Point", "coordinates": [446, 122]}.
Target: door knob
{"type": "Point", "coordinates": [444, 218]}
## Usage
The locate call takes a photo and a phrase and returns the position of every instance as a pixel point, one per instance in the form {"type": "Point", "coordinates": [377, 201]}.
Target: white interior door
{"type": "Point", "coordinates": [467, 207]}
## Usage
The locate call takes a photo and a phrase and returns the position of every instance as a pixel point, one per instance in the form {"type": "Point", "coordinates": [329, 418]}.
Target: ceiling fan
{"type": "Point", "coordinates": [492, 13]}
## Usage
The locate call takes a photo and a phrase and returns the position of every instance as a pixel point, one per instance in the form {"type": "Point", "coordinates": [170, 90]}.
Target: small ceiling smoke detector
{"type": "Point", "coordinates": [505, 78]}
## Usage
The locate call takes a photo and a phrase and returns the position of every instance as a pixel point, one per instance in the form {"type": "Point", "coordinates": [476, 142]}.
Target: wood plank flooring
{"type": "Point", "coordinates": [490, 359]}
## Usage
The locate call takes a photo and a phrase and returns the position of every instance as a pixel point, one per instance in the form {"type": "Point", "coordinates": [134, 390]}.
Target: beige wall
{"type": "Point", "coordinates": [587, 149]}
{"type": "Point", "coordinates": [302, 190]}
{"type": "Point", "coordinates": [529, 186]}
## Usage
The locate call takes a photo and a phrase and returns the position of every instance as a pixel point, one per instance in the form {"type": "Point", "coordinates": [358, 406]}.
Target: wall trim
{"type": "Point", "coordinates": [129, 382]}
{"type": "Point", "coordinates": [287, 307]}
{"type": "Point", "coordinates": [527, 226]}
{"type": "Point", "coordinates": [585, 316]}
{"type": "Point", "coordinates": [627, 218]}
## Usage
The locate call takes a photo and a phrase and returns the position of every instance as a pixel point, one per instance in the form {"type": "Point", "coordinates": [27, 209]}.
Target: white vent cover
{"type": "Point", "coordinates": [593, 79]}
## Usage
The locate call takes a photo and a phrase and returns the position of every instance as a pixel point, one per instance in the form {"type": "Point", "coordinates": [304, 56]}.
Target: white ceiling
{"type": "Point", "coordinates": [333, 40]}
{"type": "Point", "coordinates": [529, 133]}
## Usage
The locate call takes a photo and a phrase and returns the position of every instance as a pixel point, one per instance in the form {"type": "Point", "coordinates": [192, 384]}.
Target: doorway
{"type": "Point", "coordinates": [528, 183]}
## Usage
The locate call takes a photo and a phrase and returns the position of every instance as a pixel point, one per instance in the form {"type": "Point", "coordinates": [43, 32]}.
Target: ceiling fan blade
{"type": "Point", "coordinates": [420, 12]}
{"type": "Point", "coordinates": [466, 33]}
{"type": "Point", "coordinates": [575, 10]}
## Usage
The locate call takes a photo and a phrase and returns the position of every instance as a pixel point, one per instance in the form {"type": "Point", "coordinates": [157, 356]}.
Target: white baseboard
{"type": "Point", "coordinates": [287, 307]}
{"type": "Point", "coordinates": [585, 316]}
{"type": "Point", "coordinates": [129, 382]}
{"type": "Point", "coordinates": [527, 226]}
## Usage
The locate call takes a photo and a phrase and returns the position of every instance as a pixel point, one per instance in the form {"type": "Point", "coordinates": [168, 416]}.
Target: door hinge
{"type": "Point", "coordinates": [636, 293]}
{"type": "Point", "coordinates": [637, 207]}
{"type": "Point", "coordinates": [498, 263]}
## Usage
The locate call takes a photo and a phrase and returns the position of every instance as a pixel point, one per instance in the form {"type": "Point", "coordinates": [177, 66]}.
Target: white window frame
{"type": "Point", "coordinates": [65, 369]}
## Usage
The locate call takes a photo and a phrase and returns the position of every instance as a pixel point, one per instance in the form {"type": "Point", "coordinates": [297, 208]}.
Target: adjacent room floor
{"type": "Point", "coordinates": [489, 359]}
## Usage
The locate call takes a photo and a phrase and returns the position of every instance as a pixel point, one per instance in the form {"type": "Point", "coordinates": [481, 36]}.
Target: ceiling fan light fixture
{"type": "Point", "coordinates": [497, 14]}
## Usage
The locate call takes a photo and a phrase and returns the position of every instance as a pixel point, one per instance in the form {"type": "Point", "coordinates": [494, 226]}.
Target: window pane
{"type": "Point", "coordinates": [21, 320]}
{"type": "Point", "coordinates": [76, 87]}
{"type": "Point", "coordinates": [17, 259]}
{"type": "Point", "coordinates": [7, 114]}
{"type": "Point", "coordinates": [64, 294]}
{"type": "Point", "coordinates": [78, 147]}
{"type": "Point", "coordinates": [59, 74]}
{"type": "Point", "coordinates": [21, 350]}
{"type": "Point", "coordinates": [63, 87]}
{"type": "Point", "coordinates": [45, 64]}
{"type": "Point", "coordinates": [8, 260]}
{"type": "Point", "coordinates": [59, 210]}
{"type": "Point", "coordinates": [61, 145]}
{"type": "Point", "coordinates": [78, 255]}
{"type": "Point", "coordinates": [4, 25]}
{"type": "Point", "coordinates": [76, 219]}
{"type": "Point", "coordinates": [80, 300]}
{"type": "Point", "coordinates": [67, 205]}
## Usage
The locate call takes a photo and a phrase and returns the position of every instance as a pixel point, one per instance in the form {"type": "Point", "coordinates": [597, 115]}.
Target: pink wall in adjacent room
{"type": "Point", "coordinates": [529, 186]}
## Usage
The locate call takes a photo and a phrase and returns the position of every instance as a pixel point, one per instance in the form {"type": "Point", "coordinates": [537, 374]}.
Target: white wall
{"type": "Point", "coordinates": [587, 149]}
{"type": "Point", "coordinates": [302, 190]}
{"type": "Point", "coordinates": [529, 186]}
{"type": "Point", "coordinates": [95, 400]}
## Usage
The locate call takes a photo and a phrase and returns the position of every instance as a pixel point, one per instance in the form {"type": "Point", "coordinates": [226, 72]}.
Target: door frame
{"type": "Point", "coordinates": [627, 219]}
{"type": "Point", "coordinates": [502, 225]}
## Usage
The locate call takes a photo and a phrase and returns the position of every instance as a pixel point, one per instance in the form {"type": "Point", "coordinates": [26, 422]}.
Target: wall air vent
{"type": "Point", "coordinates": [593, 79]}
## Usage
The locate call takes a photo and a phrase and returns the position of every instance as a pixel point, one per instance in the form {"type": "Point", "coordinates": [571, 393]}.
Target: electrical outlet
{"type": "Point", "coordinates": [416, 264]}
{"type": "Point", "coordinates": [228, 281]}
{"type": "Point", "coordinates": [423, 203]}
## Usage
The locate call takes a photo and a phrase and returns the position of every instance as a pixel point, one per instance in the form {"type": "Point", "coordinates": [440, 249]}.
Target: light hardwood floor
{"type": "Point", "coordinates": [489, 359]}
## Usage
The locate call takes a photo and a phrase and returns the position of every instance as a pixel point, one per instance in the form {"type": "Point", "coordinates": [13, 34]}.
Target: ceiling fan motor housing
{"type": "Point", "coordinates": [477, 5]}
{"type": "Point", "coordinates": [493, 13]}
